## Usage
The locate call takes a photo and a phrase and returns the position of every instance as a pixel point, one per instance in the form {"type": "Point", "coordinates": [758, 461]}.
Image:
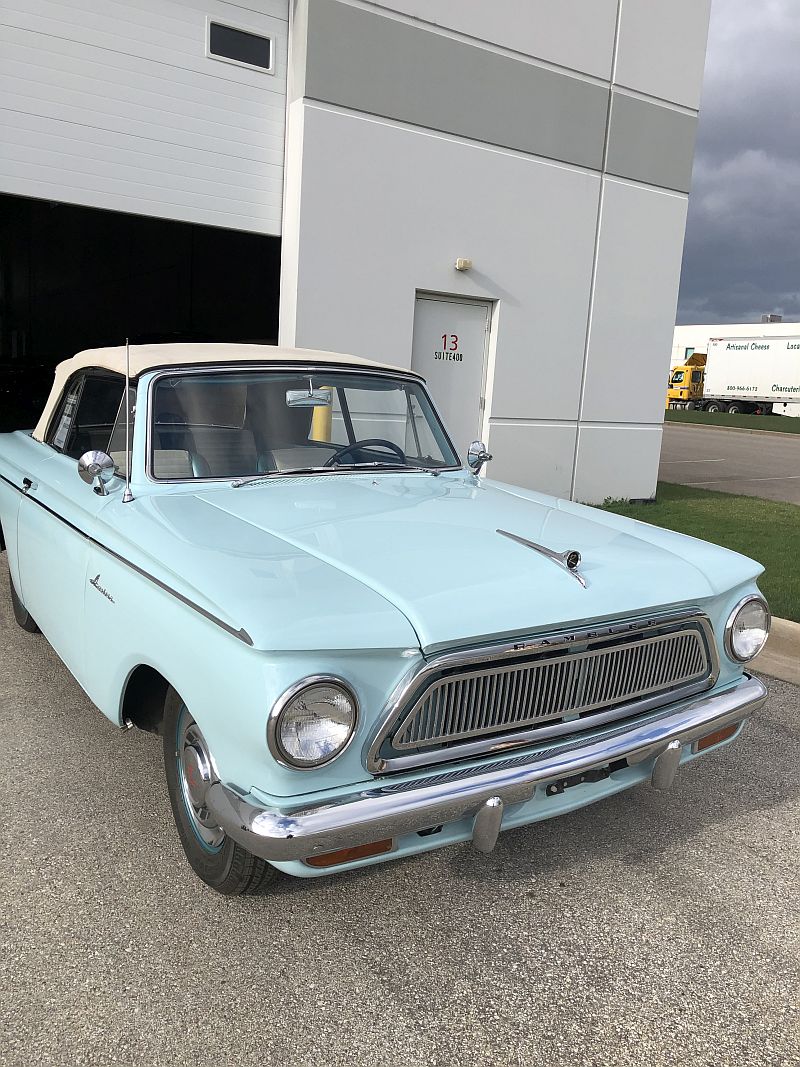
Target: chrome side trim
{"type": "Point", "coordinates": [568, 561]}
{"type": "Point", "coordinates": [241, 634]}
{"type": "Point", "coordinates": [412, 685]}
{"type": "Point", "coordinates": [383, 811]}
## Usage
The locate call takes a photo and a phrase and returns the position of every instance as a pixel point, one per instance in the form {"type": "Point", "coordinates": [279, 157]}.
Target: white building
{"type": "Point", "coordinates": [369, 146]}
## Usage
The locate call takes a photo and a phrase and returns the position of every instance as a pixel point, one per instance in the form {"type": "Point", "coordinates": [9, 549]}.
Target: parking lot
{"type": "Point", "coordinates": [729, 461]}
{"type": "Point", "coordinates": [649, 929]}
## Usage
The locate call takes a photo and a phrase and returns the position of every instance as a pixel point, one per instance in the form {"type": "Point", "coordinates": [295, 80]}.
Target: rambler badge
{"type": "Point", "coordinates": [96, 583]}
{"type": "Point", "coordinates": [570, 561]}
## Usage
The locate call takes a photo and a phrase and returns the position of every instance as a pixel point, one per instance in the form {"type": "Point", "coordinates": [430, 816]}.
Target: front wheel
{"type": "Point", "coordinates": [215, 858]}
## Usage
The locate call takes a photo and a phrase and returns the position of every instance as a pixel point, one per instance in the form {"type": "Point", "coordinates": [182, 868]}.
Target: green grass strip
{"type": "Point", "coordinates": [774, 423]}
{"type": "Point", "coordinates": [765, 530]}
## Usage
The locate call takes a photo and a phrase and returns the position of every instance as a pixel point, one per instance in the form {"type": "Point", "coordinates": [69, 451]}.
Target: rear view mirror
{"type": "Point", "coordinates": [308, 398]}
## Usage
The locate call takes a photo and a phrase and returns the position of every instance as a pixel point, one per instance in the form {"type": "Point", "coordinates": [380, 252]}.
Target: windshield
{"type": "Point", "coordinates": [241, 424]}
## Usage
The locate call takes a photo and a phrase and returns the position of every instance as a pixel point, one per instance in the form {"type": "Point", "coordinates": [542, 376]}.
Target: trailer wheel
{"type": "Point", "coordinates": [737, 409]}
{"type": "Point", "coordinates": [716, 405]}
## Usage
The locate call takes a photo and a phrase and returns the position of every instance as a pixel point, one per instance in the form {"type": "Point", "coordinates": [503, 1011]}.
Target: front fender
{"type": "Point", "coordinates": [228, 686]}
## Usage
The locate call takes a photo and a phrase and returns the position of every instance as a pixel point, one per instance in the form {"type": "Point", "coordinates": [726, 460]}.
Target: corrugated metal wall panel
{"type": "Point", "coordinates": [115, 105]}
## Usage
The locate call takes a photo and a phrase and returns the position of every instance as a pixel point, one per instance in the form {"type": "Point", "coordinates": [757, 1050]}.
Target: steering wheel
{"type": "Point", "coordinates": [369, 442]}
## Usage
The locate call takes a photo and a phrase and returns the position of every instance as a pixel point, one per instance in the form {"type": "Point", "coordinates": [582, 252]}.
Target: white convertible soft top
{"type": "Point", "coordinates": [149, 357]}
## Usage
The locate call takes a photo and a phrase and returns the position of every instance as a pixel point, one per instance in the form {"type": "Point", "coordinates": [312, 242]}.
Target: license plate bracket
{"type": "Point", "coordinates": [596, 774]}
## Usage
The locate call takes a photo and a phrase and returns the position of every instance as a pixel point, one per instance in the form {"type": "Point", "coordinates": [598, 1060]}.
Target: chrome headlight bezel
{"type": "Point", "coordinates": [282, 703]}
{"type": "Point", "coordinates": [731, 621]}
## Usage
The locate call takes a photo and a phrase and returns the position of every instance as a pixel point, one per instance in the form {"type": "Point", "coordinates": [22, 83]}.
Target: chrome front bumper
{"type": "Point", "coordinates": [391, 809]}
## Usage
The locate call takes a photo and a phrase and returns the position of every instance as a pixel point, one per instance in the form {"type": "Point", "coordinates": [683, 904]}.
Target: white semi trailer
{"type": "Point", "coordinates": [752, 374]}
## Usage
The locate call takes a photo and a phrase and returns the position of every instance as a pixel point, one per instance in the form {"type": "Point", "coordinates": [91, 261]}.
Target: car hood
{"type": "Point", "coordinates": [338, 552]}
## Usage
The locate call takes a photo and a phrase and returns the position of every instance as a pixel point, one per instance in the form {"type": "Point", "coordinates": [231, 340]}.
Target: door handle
{"type": "Point", "coordinates": [28, 484]}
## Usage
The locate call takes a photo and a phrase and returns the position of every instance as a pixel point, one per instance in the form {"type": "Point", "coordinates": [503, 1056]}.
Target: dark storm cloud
{"type": "Point", "coordinates": [742, 253]}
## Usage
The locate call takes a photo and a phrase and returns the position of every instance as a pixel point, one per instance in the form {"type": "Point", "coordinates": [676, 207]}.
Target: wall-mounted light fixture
{"type": "Point", "coordinates": [463, 264]}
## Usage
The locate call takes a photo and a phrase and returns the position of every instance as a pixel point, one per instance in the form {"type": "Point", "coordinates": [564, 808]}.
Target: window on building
{"type": "Point", "coordinates": [239, 46]}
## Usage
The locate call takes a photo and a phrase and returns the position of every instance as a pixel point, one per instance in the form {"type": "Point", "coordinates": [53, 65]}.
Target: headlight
{"type": "Point", "coordinates": [747, 629]}
{"type": "Point", "coordinates": [313, 722]}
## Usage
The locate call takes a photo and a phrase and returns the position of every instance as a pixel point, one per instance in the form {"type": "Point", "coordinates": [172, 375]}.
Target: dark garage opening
{"type": "Point", "coordinates": [75, 277]}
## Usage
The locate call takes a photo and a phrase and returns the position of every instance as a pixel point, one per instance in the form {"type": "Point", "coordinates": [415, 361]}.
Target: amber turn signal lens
{"type": "Point", "coordinates": [716, 738]}
{"type": "Point", "coordinates": [347, 855]}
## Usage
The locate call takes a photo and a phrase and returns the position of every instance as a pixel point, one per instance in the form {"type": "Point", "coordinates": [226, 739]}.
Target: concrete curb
{"type": "Point", "coordinates": [730, 429]}
{"type": "Point", "coordinates": [781, 657]}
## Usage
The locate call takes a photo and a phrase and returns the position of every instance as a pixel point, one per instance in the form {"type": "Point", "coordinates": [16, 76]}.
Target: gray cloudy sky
{"type": "Point", "coordinates": [742, 253]}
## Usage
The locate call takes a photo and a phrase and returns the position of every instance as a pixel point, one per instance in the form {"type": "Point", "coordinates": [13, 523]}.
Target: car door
{"type": "Point", "coordinates": [58, 513]}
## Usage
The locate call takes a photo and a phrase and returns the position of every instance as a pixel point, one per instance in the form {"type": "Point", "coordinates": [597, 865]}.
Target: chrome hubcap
{"type": "Point", "coordinates": [195, 775]}
{"type": "Point", "coordinates": [196, 772]}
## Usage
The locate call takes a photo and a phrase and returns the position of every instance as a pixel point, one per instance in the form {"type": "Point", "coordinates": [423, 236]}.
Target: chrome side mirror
{"type": "Point", "coordinates": [97, 469]}
{"type": "Point", "coordinates": [477, 456]}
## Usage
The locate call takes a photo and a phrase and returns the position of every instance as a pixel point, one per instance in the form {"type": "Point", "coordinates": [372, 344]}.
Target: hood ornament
{"type": "Point", "coordinates": [570, 560]}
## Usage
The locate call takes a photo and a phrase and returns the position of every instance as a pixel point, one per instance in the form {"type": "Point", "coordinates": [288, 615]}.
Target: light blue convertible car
{"type": "Point", "coordinates": [354, 645]}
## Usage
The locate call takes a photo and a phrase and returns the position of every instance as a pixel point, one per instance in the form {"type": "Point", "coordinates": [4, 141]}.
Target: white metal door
{"type": "Point", "coordinates": [449, 350]}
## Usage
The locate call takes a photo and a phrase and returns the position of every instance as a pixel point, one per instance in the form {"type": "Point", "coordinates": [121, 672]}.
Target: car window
{"type": "Point", "coordinates": [61, 425]}
{"type": "Point", "coordinates": [244, 423]}
{"type": "Point", "coordinates": [122, 432]}
{"type": "Point", "coordinates": [87, 414]}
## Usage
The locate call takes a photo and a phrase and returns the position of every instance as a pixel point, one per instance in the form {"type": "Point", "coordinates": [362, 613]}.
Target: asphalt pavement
{"type": "Point", "coordinates": [750, 464]}
{"type": "Point", "coordinates": [649, 929]}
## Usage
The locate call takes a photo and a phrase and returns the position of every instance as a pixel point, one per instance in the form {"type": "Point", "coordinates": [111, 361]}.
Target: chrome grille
{"type": "Point", "coordinates": [563, 687]}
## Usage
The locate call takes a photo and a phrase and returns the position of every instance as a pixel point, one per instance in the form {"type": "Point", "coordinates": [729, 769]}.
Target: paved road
{"type": "Point", "coordinates": [649, 929]}
{"type": "Point", "coordinates": [764, 464]}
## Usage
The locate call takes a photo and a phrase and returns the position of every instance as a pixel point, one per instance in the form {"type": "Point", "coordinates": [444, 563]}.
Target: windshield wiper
{"type": "Point", "coordinates": [337, 468]}
{"type": "Point", "coordinates": [379, 464]}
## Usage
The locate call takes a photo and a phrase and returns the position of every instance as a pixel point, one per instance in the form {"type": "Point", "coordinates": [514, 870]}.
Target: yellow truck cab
{"type": "Point", "coordinates": [685, 382]}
